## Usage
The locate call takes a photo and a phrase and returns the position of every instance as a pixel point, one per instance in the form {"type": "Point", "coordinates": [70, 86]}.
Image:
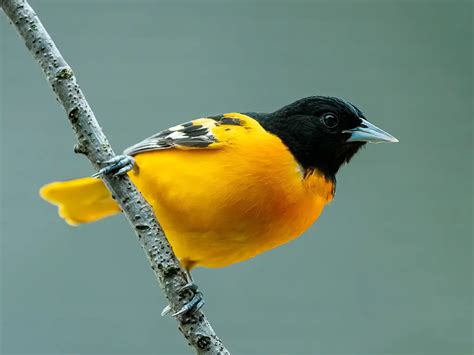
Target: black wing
{"type": "Point", "coordinates": [193, 134]}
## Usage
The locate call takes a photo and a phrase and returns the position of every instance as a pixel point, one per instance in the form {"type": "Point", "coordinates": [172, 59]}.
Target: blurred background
{"type": "Point", "coordinates": [388, 267]}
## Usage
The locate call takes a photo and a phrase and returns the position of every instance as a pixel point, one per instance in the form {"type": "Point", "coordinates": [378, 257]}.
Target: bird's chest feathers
{"type": "Point", "coordinates": [294, 204]}
{"type": "Point", "coordinates": [270, 209]}
{"type": "Point", "coordinates": [276, 198]}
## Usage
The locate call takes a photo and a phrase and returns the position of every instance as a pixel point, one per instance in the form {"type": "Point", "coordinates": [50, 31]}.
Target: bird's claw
{"type": "Point", "coordinates": [193, 305]}
{"type": "Point", "coordinates": [117, 166]}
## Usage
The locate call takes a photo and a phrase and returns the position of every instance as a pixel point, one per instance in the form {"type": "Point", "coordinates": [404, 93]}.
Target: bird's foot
{"type": "Point", "coordinates": [192, 305]}
{"type": "Point", "coordinates": [117, 166]}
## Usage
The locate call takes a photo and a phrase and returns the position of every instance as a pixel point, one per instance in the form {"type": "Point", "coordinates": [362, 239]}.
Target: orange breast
{"type": "Point", "coordinates": [221, 206]}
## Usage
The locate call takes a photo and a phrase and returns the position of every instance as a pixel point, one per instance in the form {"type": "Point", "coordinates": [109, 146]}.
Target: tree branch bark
{"type": "Point", "coordinates": [93, 143]}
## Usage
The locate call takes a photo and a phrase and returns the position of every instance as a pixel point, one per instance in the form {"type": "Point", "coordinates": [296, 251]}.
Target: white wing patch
{"type": "Point", "coordinates": [189, 135]}
{"type": "Point", "coordinates": [193, 134]}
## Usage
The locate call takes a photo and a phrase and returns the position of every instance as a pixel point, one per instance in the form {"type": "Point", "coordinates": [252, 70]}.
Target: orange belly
{"type": "Point", "coordinates": [223, 206]}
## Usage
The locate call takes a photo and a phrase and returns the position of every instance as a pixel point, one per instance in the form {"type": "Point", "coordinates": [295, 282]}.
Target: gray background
{"type": "Point", "coordinates": [388, 267]}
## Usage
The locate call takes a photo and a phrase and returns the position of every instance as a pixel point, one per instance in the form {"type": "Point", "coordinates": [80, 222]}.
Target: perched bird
{"type": "Point", "coordinates": [226, 188]}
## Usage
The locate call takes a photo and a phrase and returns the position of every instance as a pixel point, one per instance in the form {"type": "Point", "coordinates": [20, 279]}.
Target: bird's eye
{"type": "Point", "coordinates": [330, 120]}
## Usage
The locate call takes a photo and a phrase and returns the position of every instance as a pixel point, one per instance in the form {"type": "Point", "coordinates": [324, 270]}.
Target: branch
{"type": "Point", "coordinates": [93, 143]}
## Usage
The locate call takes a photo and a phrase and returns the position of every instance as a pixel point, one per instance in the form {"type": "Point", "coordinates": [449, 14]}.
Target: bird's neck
{"type": "Point", "coordinates": [303, 146]}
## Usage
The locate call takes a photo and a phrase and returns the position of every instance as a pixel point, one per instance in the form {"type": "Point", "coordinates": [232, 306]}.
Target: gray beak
{"type": "Point", "coordinates": [367, 132]}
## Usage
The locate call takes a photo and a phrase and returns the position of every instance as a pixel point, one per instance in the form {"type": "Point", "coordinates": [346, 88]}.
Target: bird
{"type": "Point", "coordinates": [228, 187]}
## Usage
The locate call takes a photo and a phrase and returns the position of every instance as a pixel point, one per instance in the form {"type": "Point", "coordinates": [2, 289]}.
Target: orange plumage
{"type": "Point", "coordinates": [219, 205]}
{"type": "Point", "coordinates": [229, 187]}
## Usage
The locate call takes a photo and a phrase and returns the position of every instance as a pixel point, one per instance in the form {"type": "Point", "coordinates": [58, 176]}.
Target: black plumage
{"type": "Point", "coordinates": [313, 130]}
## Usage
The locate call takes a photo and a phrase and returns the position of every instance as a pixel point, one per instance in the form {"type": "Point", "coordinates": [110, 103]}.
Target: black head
{"type": "Point", "coordinates": [322, 132]}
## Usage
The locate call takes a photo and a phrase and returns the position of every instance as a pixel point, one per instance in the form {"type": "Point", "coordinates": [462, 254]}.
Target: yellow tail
{"type": "Point", "coordinates": [81, 200]}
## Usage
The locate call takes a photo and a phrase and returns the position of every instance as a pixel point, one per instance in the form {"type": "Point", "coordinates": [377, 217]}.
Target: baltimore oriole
{"type": "Point", "coordinates": [226, 188]}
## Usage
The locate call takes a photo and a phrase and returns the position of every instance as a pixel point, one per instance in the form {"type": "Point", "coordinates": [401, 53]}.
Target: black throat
{"type": "Point", "coordinates": [308, 145]}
